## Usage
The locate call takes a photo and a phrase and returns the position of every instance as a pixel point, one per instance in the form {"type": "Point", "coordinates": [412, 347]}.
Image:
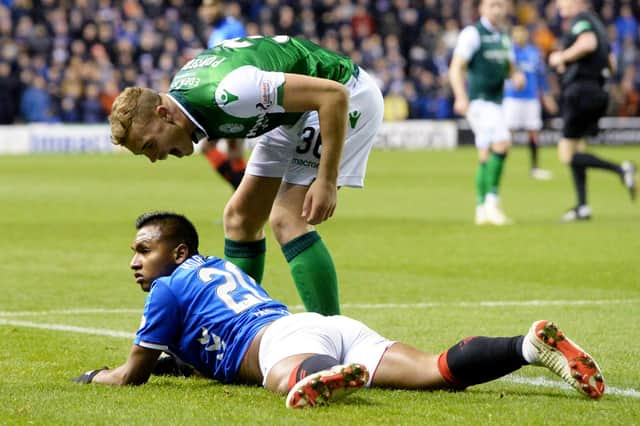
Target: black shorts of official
{"type": "Point", "coordinates": [583, 103]}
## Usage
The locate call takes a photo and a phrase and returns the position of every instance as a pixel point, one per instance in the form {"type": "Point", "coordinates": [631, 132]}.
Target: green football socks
{"type": "Point", "coordinates": [495, 165]}
{"type": "Point", "coordinates": [481, 189]}
{"type": "Point", "coordinates": [314, 273]}
{"type": "Point", "coordinates": [247, 255]}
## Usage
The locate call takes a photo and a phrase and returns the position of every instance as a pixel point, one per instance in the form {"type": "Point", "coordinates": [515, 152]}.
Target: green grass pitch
{"type": "Point", "coordinates": [411, 265]}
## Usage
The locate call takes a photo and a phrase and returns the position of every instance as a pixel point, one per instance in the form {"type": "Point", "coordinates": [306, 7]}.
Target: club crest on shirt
{"type": "Point", "coordinates": [248, 92]}
{"type": "Point", "coordinates": [227, 97]}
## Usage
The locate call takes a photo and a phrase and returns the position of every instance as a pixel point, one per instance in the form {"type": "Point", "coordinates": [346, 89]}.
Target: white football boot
{"type": "Point", "coordinates": [481, 216]}
{"type": "Point", "coordinates": [550, 348]}
{"type": "Point", "coordinates": [541, 174]}
{"type": "Point", "coordinates": [494, 214]}
{"type": "Point", "coordinates": [576, 214]}
{"type": "Point", "coordinates": [629, 176]}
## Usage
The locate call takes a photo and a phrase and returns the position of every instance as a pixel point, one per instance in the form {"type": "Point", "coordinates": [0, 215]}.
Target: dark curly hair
{"type": "Point", "coordinates": [175, 228]}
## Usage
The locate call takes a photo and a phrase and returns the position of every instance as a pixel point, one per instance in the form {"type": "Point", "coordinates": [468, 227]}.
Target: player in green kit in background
{"type": "Point", "coordinates": [304, 101]}
{"type": "Point", "coordinates": [483, 52]}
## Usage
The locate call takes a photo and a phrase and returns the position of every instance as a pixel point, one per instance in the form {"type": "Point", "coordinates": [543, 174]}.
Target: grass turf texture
{"type": "Point", "coordinates": [408, 238]}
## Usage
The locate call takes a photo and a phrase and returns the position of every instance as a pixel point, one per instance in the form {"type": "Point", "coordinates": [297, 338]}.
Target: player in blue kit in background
{"type": "Point", "coordinates": [209, 314]}
{"type": "Point", "coordinates": [522, 108]}
{"type": "Point", "coordinates": [231, 165]}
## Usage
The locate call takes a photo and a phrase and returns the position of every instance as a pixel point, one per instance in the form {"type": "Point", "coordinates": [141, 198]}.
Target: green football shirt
{"type": "Point", "coordinates": [489, 55]}
{"type": "Point", "coordinates": [235, 89]}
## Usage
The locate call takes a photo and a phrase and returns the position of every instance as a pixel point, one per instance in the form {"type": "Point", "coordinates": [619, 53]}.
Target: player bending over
{"type": "Point", "coordinates": [316, 113]}
{"type": "Point", "coordinates": [209, 314]}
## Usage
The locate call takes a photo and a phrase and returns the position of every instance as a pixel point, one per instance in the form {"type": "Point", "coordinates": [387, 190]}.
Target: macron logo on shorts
{"type": "Point", "coordinates": [354, 116]}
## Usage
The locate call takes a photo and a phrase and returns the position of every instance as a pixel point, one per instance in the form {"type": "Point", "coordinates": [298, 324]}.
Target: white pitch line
{"type": "Point", "coordinates": [481, 303]}
{"type": "Point", "coordinates": [72, 328]}
{"type": "Point", "coordinates": [537, 381]}
{"type": "Point", "coordinates": [546, 383]}
{"type": "Point", "coordinates": [80, 311]}
{"type": "Point", "coordinates": [487, 304]}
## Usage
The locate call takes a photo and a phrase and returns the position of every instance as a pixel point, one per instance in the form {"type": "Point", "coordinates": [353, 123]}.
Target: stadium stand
{"type": "Point", "coordinates": [65, 61]}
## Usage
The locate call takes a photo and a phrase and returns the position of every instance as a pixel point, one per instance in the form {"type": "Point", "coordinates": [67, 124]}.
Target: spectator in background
{"type": "Point", "coordinates": [450, 34]}
{"type": "Point", "coordinates": [628, 53]}
{"type": "Point", "coordinates": [525, 12]}
{"type": "Point", "coordinates": [362, 22]}
{"type": "Point", "coordinates": [396, 107]}
{"type": "Point", "coordinates": [36, 104]}
{"type": "Point", "coordinates": [220, 26]}
{"type": "Point", "coordinates": [92, 111]}
{"type": "Point", "coordinates": [630, 105]}
{"type": "Point", "coordinates": [108, 94]}
{"type": "Point", "coordinates": [411, 96]}
{"type": "Point", "coordinates": [69, 110]}
{"type": "Point", "coordinates": [64, 34]}
{"type": "Point", "coordinates": [626, 23]}
{"type": "Point", "coordinates": [307, 24]}
{"type": "Point", "coordinates": [441, 106]}
{"type": "Point", "coordinates": [287, 24]}
{"type": "Point", "coordinates": [607, 12]}
{"type": "Point", "coordinates": [9, 87]}
{"type": "Point", "coordinates": [71, 93]}
{"type": "Point", "coordinates": [543, 37]}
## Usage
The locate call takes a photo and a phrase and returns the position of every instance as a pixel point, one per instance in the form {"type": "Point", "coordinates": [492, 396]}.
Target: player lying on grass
{"type": "Point", "coordinates": [209, 314]}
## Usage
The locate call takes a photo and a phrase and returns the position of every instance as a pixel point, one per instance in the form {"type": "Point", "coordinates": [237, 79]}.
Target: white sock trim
{"type": "Point", "coordinates": [529, 351]}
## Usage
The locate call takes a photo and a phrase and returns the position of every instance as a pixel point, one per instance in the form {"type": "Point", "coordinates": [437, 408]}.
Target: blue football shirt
{"type": "Point", "coordinates": [206, 313]}
{"type": "Point", "coordinates": [528, 60]}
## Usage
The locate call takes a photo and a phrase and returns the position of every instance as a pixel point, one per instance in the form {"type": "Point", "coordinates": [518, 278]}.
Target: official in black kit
{"type": "Point", "coordinates": [584, 65]}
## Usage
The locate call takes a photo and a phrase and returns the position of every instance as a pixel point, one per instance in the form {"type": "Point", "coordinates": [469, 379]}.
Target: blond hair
{"type": "Point", "coordinates": [134, 104]}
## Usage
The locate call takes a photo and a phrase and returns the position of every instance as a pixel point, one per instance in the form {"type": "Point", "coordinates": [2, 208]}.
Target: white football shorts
{"type": "Point", "coordinates": [293, 152]}
{"type": "Point", "coordinates": [487, 123]}
{"type": "Point", "coordinates": [343, 338]}
{"type": "Point", "coordinates": [522, 114]}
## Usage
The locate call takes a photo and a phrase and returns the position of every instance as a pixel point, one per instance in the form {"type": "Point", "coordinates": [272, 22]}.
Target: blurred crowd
{"type": "Point", "coordinates": [65, 61]}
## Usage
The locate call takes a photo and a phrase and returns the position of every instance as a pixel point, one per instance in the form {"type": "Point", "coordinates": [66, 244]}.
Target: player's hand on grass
{"type": "Point", "coordinates": [320, 201]}
{"type": "Point", "coordinates": [87, 377]}
{"type": "Point", "coordinates": [168, 365]}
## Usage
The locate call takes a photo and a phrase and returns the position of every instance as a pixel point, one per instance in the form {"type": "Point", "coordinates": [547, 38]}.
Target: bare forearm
{"type": "Point", "coordinates": [110, 377]}
{"type": "Point", "coordinates": [456, 78]}
{"type": "Point", "coordinates": [333, 128]}
{"type": "Point", "coordinates": [119, 377]}
{"type": "Point", "coordinates": [135, 371]}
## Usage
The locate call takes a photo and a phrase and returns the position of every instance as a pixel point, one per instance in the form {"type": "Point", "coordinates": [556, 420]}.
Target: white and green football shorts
{"type": "Point", "coordinates": [293, 152]}
{"type": "Point", "coordinates": [488, 123]}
